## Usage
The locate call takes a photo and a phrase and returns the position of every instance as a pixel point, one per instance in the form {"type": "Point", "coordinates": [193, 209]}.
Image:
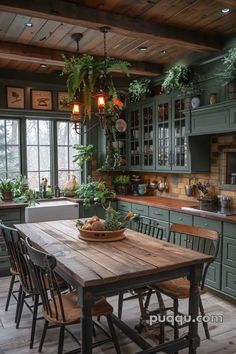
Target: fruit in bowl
{"type": "Point", "coordinates": [95, 229]}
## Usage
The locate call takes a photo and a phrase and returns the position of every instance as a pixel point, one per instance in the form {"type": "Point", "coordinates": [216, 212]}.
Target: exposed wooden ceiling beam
{"type": "Point", "coordinates": [33, 54]}
{"type": "Point", "coordinates": [230, 3]}
{"type": "Point", "coordinates": [59, 10]}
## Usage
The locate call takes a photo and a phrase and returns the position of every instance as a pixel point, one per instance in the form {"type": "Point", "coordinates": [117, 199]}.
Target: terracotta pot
{"type": "Point", "coordinates": [7, 196]}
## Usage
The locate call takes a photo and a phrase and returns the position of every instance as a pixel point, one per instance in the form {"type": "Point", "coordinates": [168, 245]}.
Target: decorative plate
{"type": "Point", "coordinates": [121, 125]}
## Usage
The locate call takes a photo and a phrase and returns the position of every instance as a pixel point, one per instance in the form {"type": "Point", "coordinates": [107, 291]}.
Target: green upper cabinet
{"type": "Point", "coordinates": [141, 137]}
{"type": "Point", "coordinates": [158, 138]}
{"type": "Point", "coordinates": [172, 144]}
{"type": "Point", "coordinates": [163, 133]}
{"type": "Point", "coordinates": [180, 151]}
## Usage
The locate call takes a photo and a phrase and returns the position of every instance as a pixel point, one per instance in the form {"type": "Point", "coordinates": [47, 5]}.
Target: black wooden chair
{"type": "Point", "coordinates": [27, 288]}
{"type": "Point", "coordinates": [10, 242]}
{"type": "Point", "coordinates": [61, 309]}
{"type": "Point", "coordinates": [149, 227]}
{"type": "Point", "coordinates": [198, 239]}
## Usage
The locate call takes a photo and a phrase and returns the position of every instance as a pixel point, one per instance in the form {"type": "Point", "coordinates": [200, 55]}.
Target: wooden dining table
{"type": "Point", "coordinates": [106, 268]}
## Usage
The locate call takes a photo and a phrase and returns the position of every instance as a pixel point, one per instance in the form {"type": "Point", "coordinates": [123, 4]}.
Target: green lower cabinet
{"type": "Point", "coordinates": [180, 218]}
{"type": "Point", "coordinates": [229, 280]}
{"type": "Point", "coordinates": [229, 251]}
{"type": "Point", "coordinates": [210, 224]}
{"type": "Point", "coordinates": [213, 276]}
{"type": "Point", "coordinates": [9, 217]}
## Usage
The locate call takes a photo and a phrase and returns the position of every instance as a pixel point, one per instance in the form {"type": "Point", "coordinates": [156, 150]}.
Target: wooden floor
{"type": "Point", "coordinates": [16, 341]}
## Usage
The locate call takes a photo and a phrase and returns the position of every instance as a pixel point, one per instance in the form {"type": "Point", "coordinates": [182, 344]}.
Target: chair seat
{"type": "Point", "coordinates": [176, 288]}
{"type": "Point", "coordinates": [72, 309]}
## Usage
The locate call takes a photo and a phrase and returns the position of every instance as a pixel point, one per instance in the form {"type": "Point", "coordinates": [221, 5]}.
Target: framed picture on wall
{"type": "Point", "coordinates": [63, 101]}
{"type": "Point", "coordinates": [15, 97]}
{"type": "Point", "coordinates": [41, 100]}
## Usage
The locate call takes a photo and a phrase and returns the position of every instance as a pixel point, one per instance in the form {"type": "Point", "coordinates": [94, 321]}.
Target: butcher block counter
{"type": "Point", "coordinates": [175, 205]}
{"type": "Point", "coordinates": [221, 275]}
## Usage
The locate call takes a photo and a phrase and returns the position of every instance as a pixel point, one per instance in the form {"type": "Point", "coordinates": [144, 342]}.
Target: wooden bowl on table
{"type": "Point", "coordinates": [102, 236]}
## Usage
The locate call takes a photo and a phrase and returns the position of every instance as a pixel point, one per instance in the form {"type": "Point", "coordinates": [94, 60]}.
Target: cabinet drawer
{"type": "Point", "coordinates": [229, 280]}
{"type": "Point", "coordinates": [158, 213]}
{"type": "Point", "coordinates": [229, 229]}
{"type": "Point", "coordinates": [140, 209]}
{"type": "Point", "coordinates": [213, 275]}
{"type": "Point", "coordinates": [10, 214]}
{"type": "Point", "coordinates": [229, 251]}
{"type": "Point", "coordinates": [124, 206]}
{"type": "Point", "coordinates": [180, 218]}
{"type": "Point", "coordinates": [207, 223]}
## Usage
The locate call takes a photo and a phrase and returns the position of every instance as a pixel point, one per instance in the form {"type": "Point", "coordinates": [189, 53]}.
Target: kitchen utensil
{"type": "Point", "coordinates": [190, 190]}
{"type": "Point", "coordinates": [223, 201]}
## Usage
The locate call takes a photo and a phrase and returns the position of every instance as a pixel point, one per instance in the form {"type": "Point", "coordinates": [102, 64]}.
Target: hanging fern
{"type": "Point", "coordinates": [85, 73]}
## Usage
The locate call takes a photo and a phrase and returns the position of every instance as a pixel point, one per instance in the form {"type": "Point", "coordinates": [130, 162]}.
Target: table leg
{"type": "Point", "coordinates": [194, 278]}
{"type": "Point", "coordinates": [86, 303]}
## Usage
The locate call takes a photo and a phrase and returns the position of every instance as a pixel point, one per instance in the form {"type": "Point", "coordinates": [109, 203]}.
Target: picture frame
{"type": "Point", "coordinates": [41, 100]}
{"type": "Point", "coordinates": [15, 97]}
{"type": "Point", "coordinates": [63, 101]}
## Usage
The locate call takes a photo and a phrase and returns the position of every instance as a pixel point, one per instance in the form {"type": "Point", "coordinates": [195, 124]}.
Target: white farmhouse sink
{"type": "Point", "coordinates": [52, 210]}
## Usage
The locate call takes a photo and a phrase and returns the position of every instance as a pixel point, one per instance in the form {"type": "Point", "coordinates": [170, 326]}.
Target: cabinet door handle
{"type": "Point", "coordinates": [155, 213]}
{"type": "Point", "coordinates": [138, 209]}
{"type": "Point", "coordinates": [181, 219]}
{"type": "Point", "coordinates": [206, 224]}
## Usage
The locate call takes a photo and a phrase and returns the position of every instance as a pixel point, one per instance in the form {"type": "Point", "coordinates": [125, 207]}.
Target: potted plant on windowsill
{"type": "Point", "coordinates": [6, 189]}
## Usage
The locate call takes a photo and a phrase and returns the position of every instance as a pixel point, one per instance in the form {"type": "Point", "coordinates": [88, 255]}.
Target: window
{"type": "Point", "coordinates": [9, 148]}
{"type": "Point", "coordinates": [66, 138]}
{"type": "Point", "coordinates": [38, 145]}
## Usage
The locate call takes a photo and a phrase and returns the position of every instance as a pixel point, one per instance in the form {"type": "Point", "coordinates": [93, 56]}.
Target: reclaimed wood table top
{"type": "Point", "coordinates": [96, 263]}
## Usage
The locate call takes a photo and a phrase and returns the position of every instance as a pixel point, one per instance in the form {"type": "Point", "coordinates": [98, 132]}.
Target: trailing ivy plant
{"type": "Point", "coordinates": [139, 89]}
{"type": "Point", "coordinates": [229, 61]}
{"type": "Point", "coordinates": [86, 73]}
{"type": "Point", "coordinates": [178, 77]}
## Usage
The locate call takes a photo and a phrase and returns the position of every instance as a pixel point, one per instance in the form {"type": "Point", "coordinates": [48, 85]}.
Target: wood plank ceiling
{"type": "Point", "coordinates": [169, 29]}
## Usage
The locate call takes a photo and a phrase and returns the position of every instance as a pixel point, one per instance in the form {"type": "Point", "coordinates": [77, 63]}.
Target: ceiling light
{"type": "Point", "coordinates": [43, 65]}
{"type": "Point", "coordinates": [226, 10]}
{"type": "Point", "coordinates": [29, 24]}
{"type": "Point", "coordinates": [163, 51]}
{"type": "Point", "coordinates": [142, 49]}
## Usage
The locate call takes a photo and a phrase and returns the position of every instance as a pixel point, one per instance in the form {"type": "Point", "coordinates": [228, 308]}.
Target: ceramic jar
{"type": "Point", "coordinates": [195, 102]}
{"type": "Point", "coordinates": [213, 98]}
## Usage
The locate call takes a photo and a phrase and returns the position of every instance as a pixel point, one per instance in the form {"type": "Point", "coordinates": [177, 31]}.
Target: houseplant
{"type": "Point", "coordinates": [229, 73]}
{"type": "Point", "coordinates": [138, 89]}
{"type": "Point", "coordinates": [94, 192]}
{"type": "Point", "coordinates": [7, 189]}
{"type": "Point", "coordinates": [178, 77]}
{"type": "Point", "coordinates": [83, 153]}
{"type": "Point", "coordinates": [122, 184]}
{"type": "Point", "coordinates": [87, 74]}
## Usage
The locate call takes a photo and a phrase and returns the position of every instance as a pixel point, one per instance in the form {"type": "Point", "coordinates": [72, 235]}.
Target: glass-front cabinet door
{"type": "Point", "coordinates": [179, 138]}
{"type": "Point", "coordinates": [148, 139]}
{"type": "Point", "coordinates": [135, 137]}
{"type": "Point", "coordinates": [163, 140]}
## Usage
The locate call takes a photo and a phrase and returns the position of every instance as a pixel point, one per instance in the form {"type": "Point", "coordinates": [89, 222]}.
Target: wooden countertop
{"type": "Point", "coordinates": [175, 205]}
{"type": "Point", "coordinates": [12, 205]}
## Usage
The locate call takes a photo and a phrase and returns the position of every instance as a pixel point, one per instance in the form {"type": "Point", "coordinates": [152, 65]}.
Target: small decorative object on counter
{"type": "Point", "coordinates": [135, 181]}
{"type": "Point", "coordinates": [213, 98]}
{"type": "Point", "coordinates": [142, 189]}
{"type": "Point", "coordinates": [70, 187]}
{"type": "Point", "coordinates": [57, 192]}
